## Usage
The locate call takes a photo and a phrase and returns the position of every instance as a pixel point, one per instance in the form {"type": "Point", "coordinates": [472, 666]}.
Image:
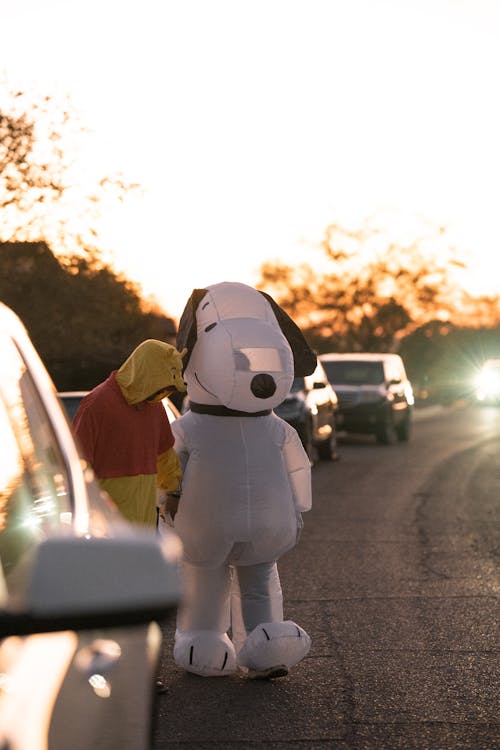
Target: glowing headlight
{"type": "Point", "coordinates": [488, 384]}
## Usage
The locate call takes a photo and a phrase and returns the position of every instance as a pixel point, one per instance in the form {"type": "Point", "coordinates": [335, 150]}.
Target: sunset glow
{"type": "Point", "coordinates": [252, 126]}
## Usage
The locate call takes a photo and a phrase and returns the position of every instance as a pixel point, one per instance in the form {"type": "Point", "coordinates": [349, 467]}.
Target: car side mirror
{"type": "Point", "coordinates": [68, 583]}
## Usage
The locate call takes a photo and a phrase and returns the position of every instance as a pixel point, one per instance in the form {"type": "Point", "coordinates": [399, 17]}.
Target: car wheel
{"type": "Point", "coordinates": [403, 430]}
{"type": "Point", "coordinates": [305, 434]}
{"type": "Point", "coordinates": [328, 449]}
{"type": "Point", "coordinates": [386, 434]}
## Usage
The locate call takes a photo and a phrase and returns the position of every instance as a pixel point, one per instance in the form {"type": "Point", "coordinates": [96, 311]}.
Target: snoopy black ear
{"type": "Point", "coordinates": [186, 334]}
{"type": "Point", "coordinates": [304, 359]}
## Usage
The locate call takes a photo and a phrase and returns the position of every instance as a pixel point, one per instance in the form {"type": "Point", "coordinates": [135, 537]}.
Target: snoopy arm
{"type": "Point", "coordinates": [299, 470]}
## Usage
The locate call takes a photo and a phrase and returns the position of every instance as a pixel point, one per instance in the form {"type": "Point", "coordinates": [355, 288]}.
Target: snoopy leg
{"type": "Point", "coordinates": [272, 646]}
{"type": "Point", "coordinates": [256, 597]}
{"type": "Point", "coordinates": [238, 632]}
{"type": "Point", "coordinates": [201, 643]}
{"type": "Point", "coordinates": [205, 601]}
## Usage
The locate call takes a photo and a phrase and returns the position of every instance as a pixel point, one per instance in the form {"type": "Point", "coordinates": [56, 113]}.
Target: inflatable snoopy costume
{"type": "Point", "coordinates": [246, 481]}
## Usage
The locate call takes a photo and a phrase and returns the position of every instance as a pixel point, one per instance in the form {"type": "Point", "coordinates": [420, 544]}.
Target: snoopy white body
{"type": "Point", "coordinates": [246, 481]}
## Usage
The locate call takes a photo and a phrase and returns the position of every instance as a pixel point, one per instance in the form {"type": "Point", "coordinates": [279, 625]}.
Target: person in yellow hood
{"type": "Point", "coordinates": [124, 432]}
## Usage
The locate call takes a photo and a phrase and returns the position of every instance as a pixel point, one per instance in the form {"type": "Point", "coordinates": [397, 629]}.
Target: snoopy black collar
{"type": "Point", "coordinates": [217, 410]}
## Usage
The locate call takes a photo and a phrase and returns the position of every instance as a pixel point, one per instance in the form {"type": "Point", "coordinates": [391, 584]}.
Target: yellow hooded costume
{"type": "Point", "coordinates": [125, 434]}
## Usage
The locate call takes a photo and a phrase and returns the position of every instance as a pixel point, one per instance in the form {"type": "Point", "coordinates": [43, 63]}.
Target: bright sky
{"type": "Point", "coordinates": [253, 124]}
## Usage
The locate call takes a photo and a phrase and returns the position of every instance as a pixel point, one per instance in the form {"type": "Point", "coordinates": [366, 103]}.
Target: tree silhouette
{"type": "Point", "coordinates": [42, 194]}
{"type": "Point", "coordinates": [443, 359]}
{"type": "Point", "coordinates": [82, 317]}
{"type": "Point", "coordinates": [367, 293]}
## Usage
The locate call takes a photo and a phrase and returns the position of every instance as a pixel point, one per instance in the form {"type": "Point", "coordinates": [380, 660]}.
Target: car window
{"type": "Point", "coordinates": [297, 385]}
{"type": "Point", "coordinates": [345, 372]}
{"type": "Point", "coordinates": [71, 404]}
{"type": "Point", "coordinates": [34, 487]}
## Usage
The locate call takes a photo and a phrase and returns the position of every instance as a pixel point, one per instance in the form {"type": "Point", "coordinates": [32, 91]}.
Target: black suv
{"type": "Point", "coordinates": [311, 407]}
{"type": "Point", "coordinates": [374, 393]}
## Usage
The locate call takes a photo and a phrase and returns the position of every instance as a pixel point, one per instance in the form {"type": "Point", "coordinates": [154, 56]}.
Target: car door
{"type": "Point", "coordinates": [81, 590]}
{"type": "Point", "coordinates": [395, 379]}
{"type": "Point", "coordinates": [320, 403]}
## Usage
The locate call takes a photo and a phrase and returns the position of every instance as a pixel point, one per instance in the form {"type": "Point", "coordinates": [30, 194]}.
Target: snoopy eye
{"type": "Point", "coordinates": [209, 328]}
{"type": "Point", "coordinates": [256, 359]}
{"type": "Point", "coordinates": [241, 361]}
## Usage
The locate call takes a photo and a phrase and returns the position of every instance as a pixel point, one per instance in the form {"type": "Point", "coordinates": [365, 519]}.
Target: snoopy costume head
{"type": "Point", "coordinates": [243, 349]}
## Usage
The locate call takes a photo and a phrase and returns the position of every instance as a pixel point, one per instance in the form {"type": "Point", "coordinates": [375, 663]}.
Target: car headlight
{"type": "Point", "coordinates": [488, 385]}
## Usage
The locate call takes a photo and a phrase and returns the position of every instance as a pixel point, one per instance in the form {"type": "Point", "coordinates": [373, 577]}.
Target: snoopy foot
{"type": "Point", "coordinates": [273, 646]}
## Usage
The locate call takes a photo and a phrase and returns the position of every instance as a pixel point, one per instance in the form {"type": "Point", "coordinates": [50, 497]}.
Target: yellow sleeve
{"type": "Point", "coordinates": [169, 470]}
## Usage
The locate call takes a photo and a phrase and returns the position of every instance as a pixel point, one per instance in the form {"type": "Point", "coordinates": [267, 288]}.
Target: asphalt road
{"type": "Point", "coordinates": [396, 580]}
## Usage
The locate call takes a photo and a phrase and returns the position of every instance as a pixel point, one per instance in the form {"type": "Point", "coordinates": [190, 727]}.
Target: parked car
{"type": "Point", "coordinates": [374, 394]}
{"type": "Point", "coordinates": [311, 407]}
{"type": "Point", "coordinates": [71, 401]}
{"type": "Point", "coordinates": [82, 591]}
{"type": "Point", "coordinates": [488, 382]}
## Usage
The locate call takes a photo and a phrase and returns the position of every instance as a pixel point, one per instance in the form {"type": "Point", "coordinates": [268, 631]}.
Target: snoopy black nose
{"type": "Point", "coordinates": [263, 385]}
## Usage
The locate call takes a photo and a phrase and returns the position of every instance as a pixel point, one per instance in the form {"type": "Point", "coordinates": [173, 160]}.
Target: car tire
{"type": "Point", "coordinates": [328, 449]}
{"type": "Point", "coordinates": [386, 434]}
{"type": "Point", "coordinates": [306, 437]}
{"type": "Point", "coordinates": [403, 430]}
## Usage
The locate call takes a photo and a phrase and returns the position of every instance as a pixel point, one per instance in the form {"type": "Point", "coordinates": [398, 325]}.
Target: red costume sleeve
{"type": "Point", "coordinates": [86, 429]}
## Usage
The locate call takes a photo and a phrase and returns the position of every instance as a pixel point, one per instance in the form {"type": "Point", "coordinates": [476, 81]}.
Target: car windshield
{"type": "Point", "coordinates": [34, 486]}
{"type": "Point", "coordinates": [350, 372]}
{"type": "Point", "coordinates": [71, 404]}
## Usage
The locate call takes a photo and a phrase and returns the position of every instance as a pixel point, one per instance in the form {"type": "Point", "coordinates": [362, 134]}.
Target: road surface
{"type": "Point", "coordinates": [396, 580]}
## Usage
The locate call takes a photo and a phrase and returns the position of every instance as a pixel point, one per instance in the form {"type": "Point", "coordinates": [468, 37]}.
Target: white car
{"type": "Point", "coordinates": [374, 393]}
{"type": "Point", "coordinates": [312, 408]}
{"type": "Point", "coordinates": [71, 401]}
{"type": "Point", "coordinates": [82, 591]}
